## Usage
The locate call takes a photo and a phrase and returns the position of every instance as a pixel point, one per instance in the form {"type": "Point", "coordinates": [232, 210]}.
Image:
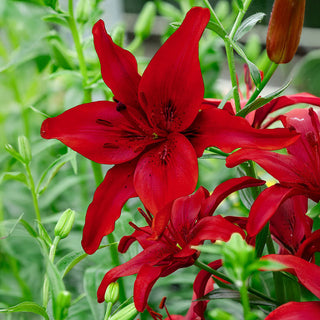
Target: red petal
{"type": "Point", "coordinates": [166, 172]}
{"type": "Point", "coordinates": [226, 188]}
{"type": "Point", "coordinates": [151, 256]}
{"type": "Point", "coordinates": [185, 211]}
{"type": "Point", "coordinates": [282, 102]}
{"type": "Point", "coordinates": [307, 273]}
{"type": "Point", "coordinates": [97, 131]}
{"type": "Point", "coordinates": [218, 128]}
{"type": "Point", "coordinates": [171, 89]}
{"type": "Point", "coordinates": [146, 278]}
{"type": "Point", "coordinates": [107, 203]}
{"type": "Point", "coordinates": [310, 246]}
{"type": "Point", "coordinates": [290, 225]}
{"type": "Point", "coordinates": [296, 310]}
{"type": "Point", "coordinates": [285, 168]}
{"type": "Point", "coordinates": [265, 206]}
{"type": "Point", "coordinates": [118, 67]}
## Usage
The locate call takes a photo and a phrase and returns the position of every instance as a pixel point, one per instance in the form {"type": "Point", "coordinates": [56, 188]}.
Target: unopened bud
{"type": "Point", "coordinates": [284, 31]}
{"type": "Point", "coordinates": [118, 35]}
{"type": "Point", "coordinates": [83, 10]}
{"type": "Point", "coordinates": [24, 149]}
{"type": "Point", "coordinates": [145, 20]}
{"type": "Point", "coordinates": [129, 312]}
{"type": "Point", "coordinates": [112, 293]}
{"type": "Point", "coordinates": [64, 224]}
{"type": "Point", "coordinates": [62, 305]}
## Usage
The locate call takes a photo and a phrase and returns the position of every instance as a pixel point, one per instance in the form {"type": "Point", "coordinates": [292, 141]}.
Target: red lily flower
{"type": "Point", "coordinates": [296, 310]}
{"type": "Point", "coordinates": [190, 224]}
{"type": "Point", "coordinates": [297, 172]}
{"type": "Point", "coordinates": [153, 132]}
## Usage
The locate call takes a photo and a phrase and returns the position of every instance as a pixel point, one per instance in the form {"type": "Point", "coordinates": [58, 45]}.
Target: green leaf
{"type": "Point", "coordinates": [314, 212]}
{"type": "Point", "coordinates": [29, 228]}
{"type": "Point", "coordinates": [239, 3]}
{"type": "Point", "coordinates": [91, 281]}
{"type": "Point", "coordinates": [168, 10]}
{"type": "Point", "coordinates": [18, 176]}
{"type": "Point", "coordinates": [248, 24]}
{"type": "Point", "coordinates": [12, 228]}
{"type": "Point", "coordinates": [53, 169]}
{"type": "Point", "coordinates": [44, 234]}
{"type": "Point", "coordinates": [256, 104]}
{"type": "Point", "coordinates": [56, 18]}
{"type": "Point", "coordinates": [217, 29]}
{"type": "Point", "coordinates": [51, 3]}
{"type": "Point", "coordinates": [15, 154]}
{"type": "Point", "coordinates": [28, 306]}
{"type": "Point", "coordinates": [254, 71]}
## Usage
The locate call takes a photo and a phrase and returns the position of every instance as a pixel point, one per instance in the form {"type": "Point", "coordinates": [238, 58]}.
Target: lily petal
{"type": "Point", "coordinates": [171, 89]}
{"type": "Point", "coordinates": [282, 102]}
{"type": "Point", "coordinates": [224, 189]}
{"type": "Point", "coordinates": [307, 273]}
{"type": "Point", "coordinates": [107, 203]}
{"type": "Point", "coordinates": [118, 67]}
{"type": "Point", "coordinates": [97, 131]}
{"type": "Point", "coordinates": [166, 172]}
{"type": "Point", "coordinates": [218, 128]}
{"type": "Point", "coordinates": [146, 278]}
{"type": "Point", "coordinates": [266, 205]}
{"type": "Point", "coordinates": [296, 310]}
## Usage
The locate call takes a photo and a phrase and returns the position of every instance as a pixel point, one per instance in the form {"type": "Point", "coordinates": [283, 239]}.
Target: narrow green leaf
{"type": "Point", "coordinates": [29, 228]}
{"type": "Point", "coordinates": [44, 234]}
{"type": "Point", "coordinates": [248, 24]}
{"type": "Point", "coordinates": [13, 152]}
{"type": "Point", "coordinates": [57, 19]}
{"type": "Point", "coordinates": [52, 170]}
{"type": "Point", "coordinates": [51, 3]}
{"type": "Point", "coordinates": [168, 10]}
{"type": "Point", "coordinates": [256, 104]}
{"type": "Point", "coordinates": [314, 212]}
{"type": "Point", "coordinates": [18, 176]}
{"type": "Point", "coordinates": [12, 228]}
{"type": "Point", "coordinates": [28, 306]}
{"type": "Point", "coordinates": [227, 97]}
{"type": "Point", "coordinates": [217, 29]}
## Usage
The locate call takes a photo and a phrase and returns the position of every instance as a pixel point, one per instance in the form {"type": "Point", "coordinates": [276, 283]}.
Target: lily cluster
{"type": "Point", "coordinates": [153, 132]}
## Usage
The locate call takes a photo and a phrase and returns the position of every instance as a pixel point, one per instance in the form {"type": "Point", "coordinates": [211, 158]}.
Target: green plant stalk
{"type": "Point", "coordinates": [213, 14]}
{"type": "Point", "coordinates": [97, 170]}
{"type": "Point", "coordinates": [233, 75]}
{"type": "Point", "coordinates": [277, 276]}
{"type": "Point", "coordinates": [239, 18]}
{"type": "Point", "coordinates": [220, 275]}
{"type": "Point", "coordinates": [108, 311]}
{"type": "Point", "coordinates": [245, 300]}
{"type": "Point", "coordinates": [263, 83]}
{"type": "Point", "coordinates": [33, 192]}
{"type": "Point", "coordinates": [45, 288]}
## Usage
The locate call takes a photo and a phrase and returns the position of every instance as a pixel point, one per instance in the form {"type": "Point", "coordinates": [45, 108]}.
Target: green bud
{"type": "Point", "coordinates": [145, 20]}
{"type": "Point", "coordinates": [112, 293]}
{"type": "Point", "coordinates": [129, 312]}
{"type": "Point", "coordinates": [118, 35]}
{"type": "Point", "coordinates": [13, 152]}
{"type": "Point", "coordinates": [24, 149]}
{"type": "Point", "coordinates": [83, 10]}
{"type": "Point", "coordinates": [65, 223]}
{"type": "Point", "coordinates": [62, 305]}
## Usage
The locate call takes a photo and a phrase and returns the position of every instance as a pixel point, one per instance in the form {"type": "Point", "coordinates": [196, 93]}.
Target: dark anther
{"type": "Point", "coordinates": [120, 107]}
{"type": "Point", "coordinates": [104, 122]}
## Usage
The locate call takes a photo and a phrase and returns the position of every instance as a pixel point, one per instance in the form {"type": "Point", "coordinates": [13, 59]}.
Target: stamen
{"type": "Point", "coordinates": [163, 305]}
{"type": "Point", "coordinates": [104, 122]}
{"type": "Point", "coordinates": [146, 217]}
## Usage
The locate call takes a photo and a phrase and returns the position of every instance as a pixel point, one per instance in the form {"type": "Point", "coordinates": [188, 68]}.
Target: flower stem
{"type": "Point", "coordinates": [265, 80]}
{"type": "Point", "coordinates": [239, 18]}
{"type": "Point", "coordinates": [213, 14]}
{"type": "Point", "coordinates": [108, 311]}
{"type": "Point", "coordinates": [33, 192]}
{"type": "Point", "coordinates": [244, 300]}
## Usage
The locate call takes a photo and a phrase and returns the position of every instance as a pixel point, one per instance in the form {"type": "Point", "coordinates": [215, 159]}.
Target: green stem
{"type": "Point", "coordinates": [135, 44]}
{"type": "Point", "coordinates": [33, 192]}
{"type": "Point", "coordinates": [213, 14]}
{"type": "Point", "coordinates": [260, 87]}
{"type": "Point", "coordinates": [233, 74]}
{"type": "Point", "coordinates": [108, 311]}
{"type": "Point", "coordinates": [277, 276]}
{"type": "Point", "coordinates": [97, 172]}
{"type": "Point", "coordinates": [244, 300]}
{"type": "Point", "coordinates": [45, 288]}
{"type": "Point", "coordinates": [218, 151]}
{"type": "Point", "coordinates": [220, 275]}
{"type": "Point", "coordinates": [239, 18]}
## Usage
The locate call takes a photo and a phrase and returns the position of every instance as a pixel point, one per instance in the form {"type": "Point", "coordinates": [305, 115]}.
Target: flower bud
{"type": "Point", "coordinates": [64, 224]}
{"type": "Point", "coordinates": [284, 31]}
{"type": "Point", "coordinates": [145, 20]}
{"type": "Point", "coordinates": [112, 293]}
{"type": "Point", "coordinates": [62, 305]}
{"type": "Point", "coordinates": [24, 149]}
{"type": "Point", "coordinates": [118, 35]}
{"type": "Point", "coordinates": [127, 313]}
